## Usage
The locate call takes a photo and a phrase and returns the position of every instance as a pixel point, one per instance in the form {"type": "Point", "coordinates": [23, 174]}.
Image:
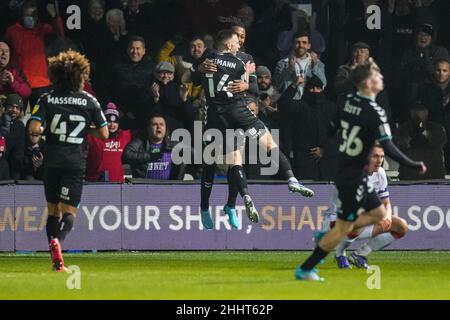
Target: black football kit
{"type": "Point", "coordinates": [362, 122]}
{"type": "Point", "coordinates": [67, 117]}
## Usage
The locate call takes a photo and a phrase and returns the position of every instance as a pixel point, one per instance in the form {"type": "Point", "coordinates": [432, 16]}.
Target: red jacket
{"type": "Point", "coordinates": [20, 85]}
{"type": "Point", "coordinates": [106, 155]}
{"type": "Point", "coordinates": [28, 51]}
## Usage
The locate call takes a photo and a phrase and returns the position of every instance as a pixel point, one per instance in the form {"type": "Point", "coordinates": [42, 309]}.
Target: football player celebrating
{"type": "Point", "coordinates": [68, 114]}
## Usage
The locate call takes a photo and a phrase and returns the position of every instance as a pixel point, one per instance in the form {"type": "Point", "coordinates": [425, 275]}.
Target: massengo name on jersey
{"type": "Point", "coordinates": [67, 100]}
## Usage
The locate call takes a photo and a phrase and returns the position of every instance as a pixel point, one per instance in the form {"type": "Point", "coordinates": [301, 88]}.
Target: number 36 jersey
{"type": "Point", "coordinates": [67, 117]}
{"type": "Point", "coordinates": [362, 122]}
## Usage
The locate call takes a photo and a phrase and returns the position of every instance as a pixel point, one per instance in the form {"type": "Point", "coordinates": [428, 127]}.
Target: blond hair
{"type": "Point", "coordinates": [362, 71]}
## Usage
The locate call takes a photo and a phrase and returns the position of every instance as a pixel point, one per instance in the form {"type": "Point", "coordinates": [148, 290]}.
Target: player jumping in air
{"type": "Point", "coordinates": [362, 122]}
{"type": "Point", "coordinates": [228, 110]}
{"type": "Point", "coordinates": [68, 114]}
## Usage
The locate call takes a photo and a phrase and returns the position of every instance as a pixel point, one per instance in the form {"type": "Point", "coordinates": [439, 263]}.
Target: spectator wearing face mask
{"type": "Point", "coordinates": [27, 39]}
{"type": "Point", "coordinates": [314, 148]}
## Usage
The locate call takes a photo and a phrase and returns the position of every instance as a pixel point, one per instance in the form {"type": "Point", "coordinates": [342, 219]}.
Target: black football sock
{"type": "Point", "coordinates": [239, 179]}
{"type": "Point", "coordinates": [232, 191]}
{"type": "Point", "coordinates": [314, 259]}
{"type": "Point", "coordinates": [65, 226]}
{"type": "Point", "coordinates": [52, 227]}
{"type": "Point", "coordinates": [206, 185]}
{"type": "Point", "coordinates": [284, 166]}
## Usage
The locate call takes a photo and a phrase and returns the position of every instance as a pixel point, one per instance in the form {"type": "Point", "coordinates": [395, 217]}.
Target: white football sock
{"type": "Point", "coordinates": [366, 233]}
{"type": "Point", "coordinates": [379, 242]}
{"type": "Point", "coordinates": [342, 246]}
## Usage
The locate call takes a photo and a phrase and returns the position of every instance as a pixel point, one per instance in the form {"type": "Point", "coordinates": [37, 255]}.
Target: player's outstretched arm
{"type": "Point", "coordinates": [392, 151]}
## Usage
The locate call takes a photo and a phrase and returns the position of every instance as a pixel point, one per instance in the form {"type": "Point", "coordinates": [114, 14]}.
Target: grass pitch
{"type": "Point", "coordinates": [248, 275]}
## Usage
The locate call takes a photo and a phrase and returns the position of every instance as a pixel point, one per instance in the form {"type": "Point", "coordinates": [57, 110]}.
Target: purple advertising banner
{"type": "Point", "coordinates": [95, 225]}
{"type": "Point", "coordinates": [166, 217]}
{"type": "Point", "coordinates": [426, 209]}
{"type": "Point", "coordinates": [7, 218]}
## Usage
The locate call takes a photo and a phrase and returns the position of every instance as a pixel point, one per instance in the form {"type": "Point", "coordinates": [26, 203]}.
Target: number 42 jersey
{"type": "Point", "coordinates": [67, 117]}
{"type": "Point", "coordinates": [362, 122]}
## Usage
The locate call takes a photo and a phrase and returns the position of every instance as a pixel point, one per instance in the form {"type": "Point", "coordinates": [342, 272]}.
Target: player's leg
{"type": "Point", "coordinates": [240, 118]}
{"type": "Point", "coordinates": [62, 228]}
{"type": "Point", "coordinates": [70, 197]}
{"type": "Point", "coordinates": [381, 239]}
{"type": "Point", "coordinates": [328, 242]}
{"type": "Point", "coordinates": [255, 128]}
{"type": "Point", "coordinates": [66, 223]}
{"type": "Point", "coordinates": [207, 181]}
{"type": "Point", "coordinates": [53, 217]}
{"type": "Point", "coordinates": [210, 121]}
{"type": "Point", "coordinates": [238, 178]}
{"type": "Point", "coordinates": [71, 188]}
{"type": "Point", "coordinates": [340, 254]}
{"type": "Point", "coordinates": [353, 197]}
{"type": "Point", "coordinates": [282, 162]}
{"type": "Point", "coordinates": [52, 181]}
{"type": "Point", "coordinates": [371, 217]}
{"type": "Point", "coordinates": [328, 222]}
{"type": "Point", "coordinates": [230, 207]}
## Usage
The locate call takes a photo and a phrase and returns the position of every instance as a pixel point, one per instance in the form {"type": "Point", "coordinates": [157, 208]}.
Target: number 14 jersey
{"type": "Point", "coordinates": [67, 117]}
{"type": "Point", "coordinates": [362, 122]}
{"type": "Point", "coordinates": [229, 68]}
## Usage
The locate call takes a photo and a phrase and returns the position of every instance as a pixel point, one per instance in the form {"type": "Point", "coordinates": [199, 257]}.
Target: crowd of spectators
{"type": "Point", "coordinates": [142, 55]}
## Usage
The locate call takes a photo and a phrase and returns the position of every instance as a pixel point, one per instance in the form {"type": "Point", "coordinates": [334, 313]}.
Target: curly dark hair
{"type": "Point", "coordinates": [68, 70]}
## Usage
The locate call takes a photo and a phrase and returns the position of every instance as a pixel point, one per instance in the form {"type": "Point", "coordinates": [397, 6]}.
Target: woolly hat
{"type": "Point", "coordinates": [111, 113]}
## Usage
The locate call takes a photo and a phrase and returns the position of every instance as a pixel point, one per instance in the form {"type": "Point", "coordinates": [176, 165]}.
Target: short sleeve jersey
{"type": "Point", "coordinates": [67, 117]}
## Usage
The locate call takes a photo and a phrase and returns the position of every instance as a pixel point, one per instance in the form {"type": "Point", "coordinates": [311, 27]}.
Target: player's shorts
{"type": "Point", "coordinates": [233, 119]}
{"type": "Point", "coordinates": [355, 197]}
{"type": "Point", "coordinates": [63, 185]}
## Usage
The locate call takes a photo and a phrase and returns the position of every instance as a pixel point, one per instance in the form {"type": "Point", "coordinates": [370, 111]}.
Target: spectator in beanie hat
{"type": "Point", "coordinates": [105, 156]}
{"type": "Point", "coordinates": [264, 80]}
